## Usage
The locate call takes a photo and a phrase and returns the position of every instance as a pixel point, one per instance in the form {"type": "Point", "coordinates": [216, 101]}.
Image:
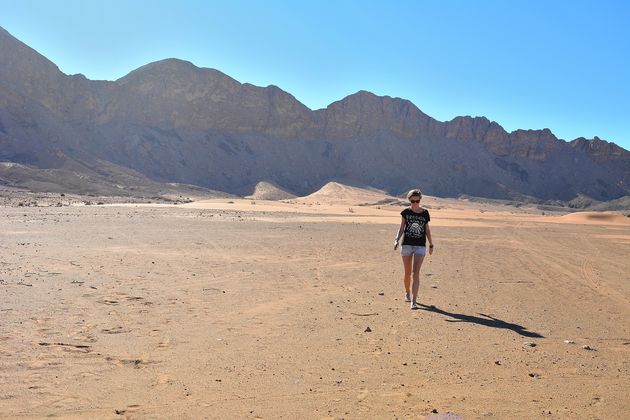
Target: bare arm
{"type": "Point", "coordinates": [400, 232]}
{"type": "Point", "coordinates": [428, 232]}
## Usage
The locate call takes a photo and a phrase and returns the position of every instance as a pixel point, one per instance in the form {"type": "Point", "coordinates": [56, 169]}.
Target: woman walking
{"type": "Point", "coordinates": [415, 227]}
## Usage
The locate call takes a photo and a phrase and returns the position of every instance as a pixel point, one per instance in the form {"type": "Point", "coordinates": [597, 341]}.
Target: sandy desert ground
{"type": "Point", "coordinates": [253, 309]}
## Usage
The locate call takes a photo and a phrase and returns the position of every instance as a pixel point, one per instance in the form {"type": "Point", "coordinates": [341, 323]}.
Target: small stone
{"type": "Point", "coordinates": [529, 344]}
{"type": "Point", "coordinates": [534, 375]}
{"type": "Point", "coordinates": [381, 293]}
{"type": "Point", "coordinates": [569, 342]}
{"type": "Point", "coordinates": [368, 329]}
{"type": "Point", "coordinates": [434, 410]}
{"type": "Point", "coordinates": [587, 347]}
{"type": "Point", "coordinates": [434, 286]}
{"type": "Point", "coordinates": [498, 363]}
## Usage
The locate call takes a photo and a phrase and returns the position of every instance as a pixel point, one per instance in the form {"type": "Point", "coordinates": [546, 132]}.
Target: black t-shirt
{"type": "Point", "coordinates": [415, 227]}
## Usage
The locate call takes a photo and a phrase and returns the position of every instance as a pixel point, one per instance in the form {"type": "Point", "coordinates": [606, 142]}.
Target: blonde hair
{"type": "Point", "coordinates": [413, 193]}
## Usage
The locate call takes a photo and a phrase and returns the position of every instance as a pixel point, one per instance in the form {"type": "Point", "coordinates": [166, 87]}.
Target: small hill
{"type": "Point", "coordinates": [582, 201]}
{"type": "Point", "coordinates": [118, 181]}
{"type": "Point", "coordinates": [266, 190]}
{"type": "Point", "coordinates": [594, 217]}
{"type": "Point", "coordinates": [620, 204]}
{"type": "Point", "coordinates": [337, 193]}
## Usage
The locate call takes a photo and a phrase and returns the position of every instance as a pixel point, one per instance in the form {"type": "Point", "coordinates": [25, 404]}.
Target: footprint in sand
{"type": "Point", "coordinates": [109, 302]}
{"type": "Point", "coordinates": [38, 364]}
{"type": "Point", "coordinates": [88, 338]}
{"type": "Point", "coordinates": [65, 402]}
{"type": "Point", "coordinates": [164, 343]}
{"type": "Point", "coordinates": [114, 330]}
{"type": "Point", "coordinates": [139, 299]}
{"type": "Point", "coordinates": [129, 409]}
{"type": "Point", "coordinates": [135, 363]}
{"type": "Point", "coordinates": [364, 393]}
{"type": "Point", "coordinates": [163, 379]}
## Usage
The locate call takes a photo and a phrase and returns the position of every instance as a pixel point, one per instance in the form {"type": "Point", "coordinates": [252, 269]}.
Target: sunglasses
{"type": "Point", "coordinates": [414, 201]}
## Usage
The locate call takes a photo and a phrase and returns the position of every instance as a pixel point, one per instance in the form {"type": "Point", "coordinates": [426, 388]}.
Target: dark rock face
{"type": "Point", "coordinates": [174, 122]}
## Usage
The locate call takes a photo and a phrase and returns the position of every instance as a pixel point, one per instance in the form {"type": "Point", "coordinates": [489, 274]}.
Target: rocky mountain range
{"type": "Point", "coordinates": [172, 122]}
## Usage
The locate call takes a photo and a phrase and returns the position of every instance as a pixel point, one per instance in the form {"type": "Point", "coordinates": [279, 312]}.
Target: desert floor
{"type": "Point", "coordinates": [241, 309]}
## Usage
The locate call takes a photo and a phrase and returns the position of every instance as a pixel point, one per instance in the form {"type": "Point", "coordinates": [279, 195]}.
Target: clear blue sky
{"type": "Point", "coordinates": [564, 65]}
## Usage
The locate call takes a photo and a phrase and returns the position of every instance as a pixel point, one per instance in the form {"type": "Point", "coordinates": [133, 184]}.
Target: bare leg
{"type": "Point", "coordinates": [417, 264]}
{"type": "Point", "coordinates": [407, 278]}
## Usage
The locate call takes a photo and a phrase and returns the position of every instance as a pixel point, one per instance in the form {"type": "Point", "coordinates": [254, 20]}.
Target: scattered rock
{"type": "Point", "coordinates": [497, 362]}
{"type": "Point", "coordinates": [434, 286]}
{"type": "Point", "coordinates": [569, 342]}
{"type": "Point", "coordinates": [587, 347]}
{"type": "Point", "coordinates": [534, 375]}
{"type": "Point", "coordinates": [368, 329]}
{"type": "Point", "coordinates": [381, 293]}
{"type": "Point", "coordinates": [529, 344]}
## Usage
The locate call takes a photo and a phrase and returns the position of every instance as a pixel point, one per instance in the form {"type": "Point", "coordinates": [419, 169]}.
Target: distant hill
{"type": "Point", "coordinates": [269, 191]}
{"type": "Point", "coordinates": [622, 203]}
{"type": "Point", "coordinates": [172, 122]}
{"type": "Point", "coordinates": [338, 193]}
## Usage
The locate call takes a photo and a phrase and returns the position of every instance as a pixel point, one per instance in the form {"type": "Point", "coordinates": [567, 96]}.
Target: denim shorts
{"type": "Point", "coordinates": [408, 250]}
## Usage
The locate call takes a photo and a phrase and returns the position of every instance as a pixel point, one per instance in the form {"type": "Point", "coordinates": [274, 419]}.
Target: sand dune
{"type": "Point", "coordinates": [592, 217]}
{"type": "Point", "coordinates": [265, 190]}
{"type": "Point", "coordinates": [338, 193]}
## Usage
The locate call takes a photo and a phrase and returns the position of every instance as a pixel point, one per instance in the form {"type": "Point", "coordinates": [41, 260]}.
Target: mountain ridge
{"type": "Point", "coordinates": [180, 63]}
{"type": "Point", "coordinates": [173, 121]}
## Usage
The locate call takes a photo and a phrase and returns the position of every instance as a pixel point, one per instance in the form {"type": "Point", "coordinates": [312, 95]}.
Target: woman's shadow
{"type": "Point", "coordinates": [488, 321]}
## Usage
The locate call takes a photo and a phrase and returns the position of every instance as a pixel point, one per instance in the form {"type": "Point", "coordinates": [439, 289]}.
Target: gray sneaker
{"type": "Point", "coordinates": [407, 298]}
{"type": "Point", "coordinates": [414, 306]}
